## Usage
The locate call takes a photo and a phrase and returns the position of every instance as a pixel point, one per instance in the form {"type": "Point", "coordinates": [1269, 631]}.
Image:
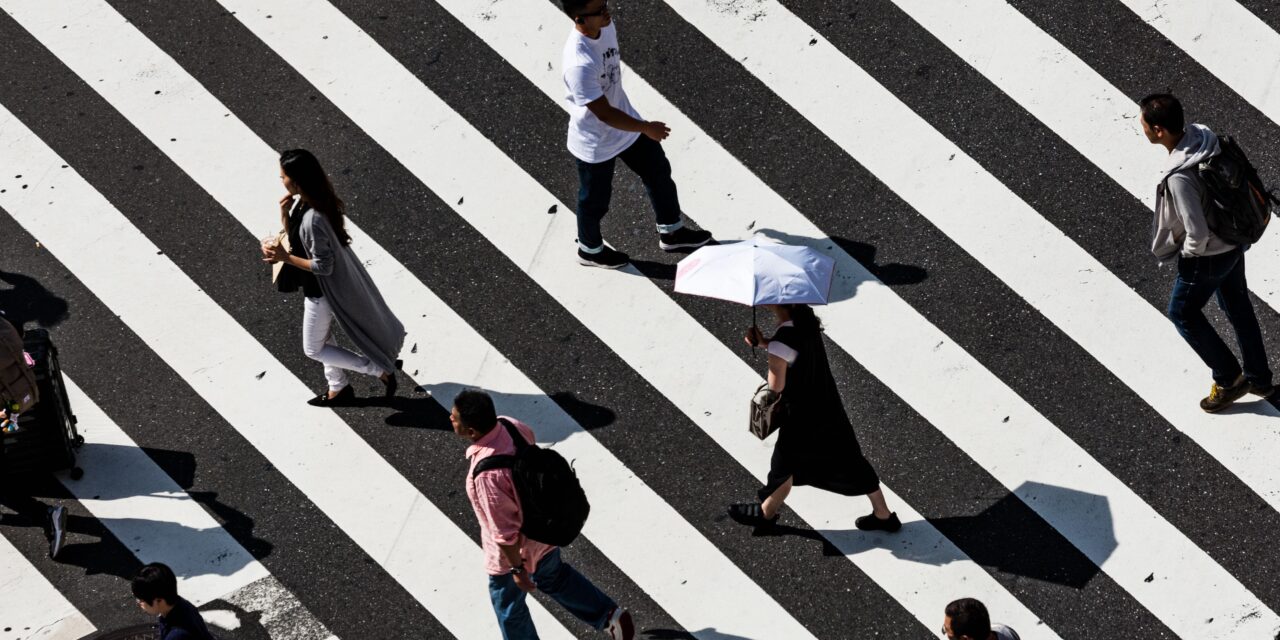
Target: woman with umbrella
{"type": "Point", "coordinates": [816, 445]}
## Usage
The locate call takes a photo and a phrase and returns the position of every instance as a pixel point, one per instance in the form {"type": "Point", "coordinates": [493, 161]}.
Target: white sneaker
{"type": "Point", "coordinates": [59, 517]}
{"type": "Point", "coordinates": [620, 625]}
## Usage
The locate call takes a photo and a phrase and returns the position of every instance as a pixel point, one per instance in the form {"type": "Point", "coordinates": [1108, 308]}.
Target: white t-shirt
{"type": "Point", "coordinates": [593, 68]}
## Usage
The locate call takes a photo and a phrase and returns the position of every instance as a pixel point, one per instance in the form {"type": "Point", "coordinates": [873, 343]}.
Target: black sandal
{"type": "Point", "coordinates": [343, 398]}
{"type": "Point", "coordinates": [751, 514]}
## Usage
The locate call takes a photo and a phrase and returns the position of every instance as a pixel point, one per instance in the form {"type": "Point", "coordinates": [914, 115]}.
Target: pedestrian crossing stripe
{"type": "Point", "coordinates": [849, 327]}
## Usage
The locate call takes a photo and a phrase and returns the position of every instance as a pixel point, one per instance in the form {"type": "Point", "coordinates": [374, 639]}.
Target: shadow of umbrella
{"type": "Point", "coordinates": [1040, 552]}
{"type": "Point", "coordinates": [1068, 555]}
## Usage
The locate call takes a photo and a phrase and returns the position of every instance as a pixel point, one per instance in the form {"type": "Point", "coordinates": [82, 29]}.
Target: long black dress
{"type": "Point", "coordinates": [816, 444]}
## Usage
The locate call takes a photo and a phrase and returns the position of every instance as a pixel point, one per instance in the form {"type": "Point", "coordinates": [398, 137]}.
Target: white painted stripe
{"type": "Point", "coordinates": [400, 529]}
{"type": "Point", "coordinates": [158, 521]}
{"type": "Point", "coordinates": [1243, 52]}
{"type": "Point", "coordinates": [457, 162]}
{"type": "Point", "coordinates": [1119, 329]}
{"type": "Point", "coordinates": [666, 556]}
{"type": "Point", "coordinates": [1026, 453]}
{"type": "Point", "coordinates": [1232, 43]}
{"type": "Point", "coordinates": [150, 514]}
{"type": "Point", "coordinates": [30, 607]}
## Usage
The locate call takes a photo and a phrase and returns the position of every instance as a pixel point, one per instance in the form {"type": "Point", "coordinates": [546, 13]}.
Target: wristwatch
{"type": "Point", "coordinates": [517, 571]}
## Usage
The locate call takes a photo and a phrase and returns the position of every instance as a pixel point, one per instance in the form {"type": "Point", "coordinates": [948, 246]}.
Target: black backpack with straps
{"type": "Point", "coordinates": [553, 503]}
{"type": "Point", "coordinates": [1239, 205]}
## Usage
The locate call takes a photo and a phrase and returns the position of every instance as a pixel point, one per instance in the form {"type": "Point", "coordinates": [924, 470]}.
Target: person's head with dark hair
{"type": "Point", "coordinates": [589, 16]}
{"type": "Point", "coordinates": [1162, 119]}
{"type": "Point", "coordinates": [967, 619]}
{"type": "Point", "coordinates": [473, 415]}
{"type": "Point", "coordinates": [156, 588]}
{"type": "Point", "coordinates": [302, 175]}
{"type": "Point", "coordinates": [803, 317]}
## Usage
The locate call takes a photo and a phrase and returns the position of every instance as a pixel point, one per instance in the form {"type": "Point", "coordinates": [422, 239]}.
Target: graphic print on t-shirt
{"type": "Point", "coordinates": [592, 69]}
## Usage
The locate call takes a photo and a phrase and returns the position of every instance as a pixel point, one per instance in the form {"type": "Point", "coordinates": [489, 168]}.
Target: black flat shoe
{"type": "Point", "coordinates": [870, 522]}
{"type": "Point", "coordinates": [750, 514]}
{"type": "Point", "coordinates": [343, 398]}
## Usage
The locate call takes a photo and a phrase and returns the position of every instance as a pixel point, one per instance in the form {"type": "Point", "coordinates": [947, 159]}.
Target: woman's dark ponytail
{"type": "Point", "coordinates": [804, 318]}
{"type": "Point", "coordinates": [307, 174]}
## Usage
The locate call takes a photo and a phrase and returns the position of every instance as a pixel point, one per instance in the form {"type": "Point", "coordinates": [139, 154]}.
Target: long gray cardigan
{"type": "Point", "coordinates": [356, 302]}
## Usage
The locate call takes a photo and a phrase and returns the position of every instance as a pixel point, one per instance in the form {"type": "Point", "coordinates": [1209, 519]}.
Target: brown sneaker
{"type": "Point", "coordinates": [1222, 397]}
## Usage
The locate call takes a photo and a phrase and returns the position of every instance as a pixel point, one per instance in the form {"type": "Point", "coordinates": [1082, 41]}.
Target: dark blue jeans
{"type": "Point", "coordinates": [560, 581]}
{"type": "Point", "coordinates": [595, 180]}
{"type": "Point", "coordinates": [1199, 279]}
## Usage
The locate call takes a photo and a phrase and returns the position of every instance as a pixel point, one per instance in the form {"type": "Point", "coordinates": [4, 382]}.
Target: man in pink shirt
{"type": "Point", "coordinates": [516, 564]}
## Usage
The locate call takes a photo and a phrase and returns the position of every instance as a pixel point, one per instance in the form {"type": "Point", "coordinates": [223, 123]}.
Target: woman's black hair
{"type": "Point", "coordinates": [803, 317]}
{"type": "Point", "coordinates": [312, 182]}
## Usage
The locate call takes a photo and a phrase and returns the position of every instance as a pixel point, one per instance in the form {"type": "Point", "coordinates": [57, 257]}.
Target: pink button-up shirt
{"type": "Point", "coordinates": [497, 507]}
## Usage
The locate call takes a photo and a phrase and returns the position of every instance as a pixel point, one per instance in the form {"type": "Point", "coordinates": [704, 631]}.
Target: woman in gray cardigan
{"type": "Point", "coordinates": [334, 283]}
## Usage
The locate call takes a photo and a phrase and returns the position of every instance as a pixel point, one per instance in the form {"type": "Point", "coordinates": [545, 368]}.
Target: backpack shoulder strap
{"type": "Point", "coordinates": [516, 437]}
{"type": "Point", "coordinates": [494, 462]}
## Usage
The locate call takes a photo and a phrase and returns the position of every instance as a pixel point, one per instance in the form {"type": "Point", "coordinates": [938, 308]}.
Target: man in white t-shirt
{"type": "Point", "coordinates": [967, 619]}
{"type": "Point", "coordinates": [604, 127]}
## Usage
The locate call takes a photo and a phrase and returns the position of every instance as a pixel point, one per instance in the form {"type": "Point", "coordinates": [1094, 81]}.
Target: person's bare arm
{"type": "Point", "coordinates": [619, 119]}
{"type": "Point", "coordinates": [777, 373]}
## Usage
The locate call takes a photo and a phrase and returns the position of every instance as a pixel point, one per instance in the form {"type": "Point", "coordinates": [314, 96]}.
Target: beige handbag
{"type": "Point", "coordinates": [766, 411]}
{"type": "Point", "coordinates": [282, 240]}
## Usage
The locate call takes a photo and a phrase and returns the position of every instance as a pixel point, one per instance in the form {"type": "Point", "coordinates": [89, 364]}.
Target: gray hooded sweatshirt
{"type": "Point", "coordinates": [1179, 226]}
{"type": "Point", "coordinates": [357, 304]}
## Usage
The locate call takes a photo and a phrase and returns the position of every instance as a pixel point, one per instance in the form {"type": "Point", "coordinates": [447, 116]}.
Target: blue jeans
{"type": "Point", "coordinates": [595, 188]}
{"type": "Point", "coordinates": [556, 579]}
{"type": "Point", "coordinates": [1223, 275]}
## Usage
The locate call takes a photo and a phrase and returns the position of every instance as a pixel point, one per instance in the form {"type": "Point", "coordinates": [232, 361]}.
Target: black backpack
{"type": "Point", "coordinates": [554, 505]}
{"type": "Point", "coordinates": [1239, 206]}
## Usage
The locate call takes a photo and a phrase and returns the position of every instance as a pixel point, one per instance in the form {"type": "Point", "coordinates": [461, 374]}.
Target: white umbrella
{"type": "Point", "coordinates": [757, 271]}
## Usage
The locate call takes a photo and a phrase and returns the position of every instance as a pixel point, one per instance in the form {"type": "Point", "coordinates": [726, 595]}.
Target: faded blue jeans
{"type": "Point", "coordinates": [560, 581]}
{"type": "Point", "coordinates": [1221, 275]}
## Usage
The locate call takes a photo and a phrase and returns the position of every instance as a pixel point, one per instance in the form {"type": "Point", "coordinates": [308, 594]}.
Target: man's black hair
{"type": "Point", "coordinates": [475, 410]}
{"type": "Point", "coordinates": [153, 581]}
{"type": "Point", "coordinates": [969, 618]}
{"type": "Point", "coordinates": [574, 7]}
{"type": "Point", "coordinates": [1163, 110]}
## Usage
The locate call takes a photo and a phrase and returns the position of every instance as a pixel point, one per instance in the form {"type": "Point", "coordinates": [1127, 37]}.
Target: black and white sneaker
{"type": "Point", "coordinates": [683, 238]}
{"type": "Point", "coordinates": [605, 258]}
{"type": "Point", "coordinates": [620, 625]}
{"type": "Point", "coordinates": [58, 517]}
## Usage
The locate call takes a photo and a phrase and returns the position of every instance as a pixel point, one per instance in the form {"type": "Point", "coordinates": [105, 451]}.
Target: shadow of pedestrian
{"type": "Point", "coordinates": [421, 412]}
{"type": "Point", "coordinates": [553, 417]}
{"type": "Point", "coordinates": [701, 634]}
{"type": "Point", "coordinates": [26, 300]}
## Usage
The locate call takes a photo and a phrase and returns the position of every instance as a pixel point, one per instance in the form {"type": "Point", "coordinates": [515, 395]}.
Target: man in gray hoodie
{"type": "Point", "coordinates": [1207, 264]}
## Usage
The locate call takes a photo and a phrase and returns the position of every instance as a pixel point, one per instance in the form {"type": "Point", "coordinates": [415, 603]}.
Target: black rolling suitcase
{"type": "Point", "coordinates": [46, 439]}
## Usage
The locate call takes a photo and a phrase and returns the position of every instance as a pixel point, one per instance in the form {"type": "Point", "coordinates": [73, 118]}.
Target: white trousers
{"type": "Point", "coordinates": [319, 344]}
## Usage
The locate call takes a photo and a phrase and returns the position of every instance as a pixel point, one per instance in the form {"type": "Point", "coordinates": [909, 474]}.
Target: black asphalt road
{"type": "Point", "coordinates": [351, 594]}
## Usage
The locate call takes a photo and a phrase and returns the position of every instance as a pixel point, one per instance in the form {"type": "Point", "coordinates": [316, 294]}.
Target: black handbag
{"type": "Point", "coordinates": [767, 412]}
